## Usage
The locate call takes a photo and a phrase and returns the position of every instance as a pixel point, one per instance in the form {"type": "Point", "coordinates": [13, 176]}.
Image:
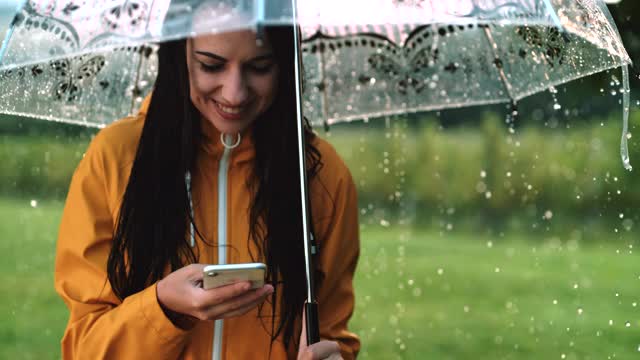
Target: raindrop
{"type": "Point", "coordinates": [627, 324]}
{"type": "Point", "coordinates": [575, 286]}
{"type": "Point", "coordinates": [497, 269]}
{"type": "Point", "coordinates": [466, 308]}
{"type": "Point", "coordinates": [548, 215]}
{"type": "Point", "coordinates": [487, 194]}
{"type": "Point", "coordinates": [563, 356]}
{"type": "Point", "coordinates": [555, 302]}
{"type": "Point", "coordinates": [610, 322]}
{"type": "Point", "coordinates": [580, 310]}
{"type": "Point", "coordinates": [621, 215]}
{"type": "Point", "coordinates": [557, 106]}
{"type": "Point", "coordinates": [489, 244]}
{"type": "Point", "coordinates": [634, 304]}
{"type": "Point", "coordinates": [384, 223]}
{"type": "Point", "coordinates": [34, 203]}
{"type": "Point", "coordinates": [440, 271]}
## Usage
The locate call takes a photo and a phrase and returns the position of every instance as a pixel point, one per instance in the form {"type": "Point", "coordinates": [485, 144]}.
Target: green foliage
{"type": "Point", "coordinates": [483, 173]}
{"type": "Point", "coordinates": [494, 175]}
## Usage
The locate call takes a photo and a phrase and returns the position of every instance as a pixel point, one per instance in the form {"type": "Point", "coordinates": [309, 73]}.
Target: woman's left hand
{"type": "Point", "coordinates": [324, 349]}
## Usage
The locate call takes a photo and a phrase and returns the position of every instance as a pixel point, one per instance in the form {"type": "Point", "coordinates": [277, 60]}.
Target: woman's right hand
{"type": "Point", "coordinates": [181, 292]}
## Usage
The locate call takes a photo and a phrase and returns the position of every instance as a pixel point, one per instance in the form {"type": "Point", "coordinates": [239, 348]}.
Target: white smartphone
{"type": "Point", "coordinates": [219, 275]}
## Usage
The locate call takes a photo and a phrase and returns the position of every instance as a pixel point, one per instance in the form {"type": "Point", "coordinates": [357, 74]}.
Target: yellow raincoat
{"type": "Point", "coordinates": [103, 327]}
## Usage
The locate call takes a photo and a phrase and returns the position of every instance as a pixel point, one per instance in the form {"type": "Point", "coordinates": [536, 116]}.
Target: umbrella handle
{"type": "Point", "coordinates": [311, 316]}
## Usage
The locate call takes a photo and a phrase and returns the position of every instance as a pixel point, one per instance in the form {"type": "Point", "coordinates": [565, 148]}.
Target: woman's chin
{"type": "Point", "coordinates": [228, 126]}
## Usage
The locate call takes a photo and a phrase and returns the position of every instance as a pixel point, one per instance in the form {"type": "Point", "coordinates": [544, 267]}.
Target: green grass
{"type": "Point", "coordinates": [33, 316]}
{"type": "Point", "coordinates": [419, 294]}
{"type": "Point", "coordinates": [460, 296]}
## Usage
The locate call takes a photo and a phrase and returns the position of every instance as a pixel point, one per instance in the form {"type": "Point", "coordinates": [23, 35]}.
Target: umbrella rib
{"type": "Point", "coordinates": [325, 111]}
{"type": "Point", "coordinates": [135, 85]}
{"type": "Point", "coordinates": [498, 64]}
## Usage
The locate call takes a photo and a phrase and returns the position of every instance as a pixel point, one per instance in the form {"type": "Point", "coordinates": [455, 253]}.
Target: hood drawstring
{"type": "Point", "coordinates": [225, 137]}
{"type": "Point", "coordinates": [187, 180]}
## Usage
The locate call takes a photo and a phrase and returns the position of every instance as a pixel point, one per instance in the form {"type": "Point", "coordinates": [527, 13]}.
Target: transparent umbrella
{"type": "Point", "coordinates": [91, 62]}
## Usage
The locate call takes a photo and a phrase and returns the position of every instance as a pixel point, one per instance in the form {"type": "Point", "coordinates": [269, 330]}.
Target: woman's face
{"type": "Point", "coordinates": [232, 78]}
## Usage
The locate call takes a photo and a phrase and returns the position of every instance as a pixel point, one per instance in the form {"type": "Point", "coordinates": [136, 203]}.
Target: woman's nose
{"type": "Point", "coordinates": [234, 88]}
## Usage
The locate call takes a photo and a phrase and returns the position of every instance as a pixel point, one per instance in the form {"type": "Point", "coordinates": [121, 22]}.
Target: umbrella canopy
{"type": "Point", "coordinates": [361, 58]}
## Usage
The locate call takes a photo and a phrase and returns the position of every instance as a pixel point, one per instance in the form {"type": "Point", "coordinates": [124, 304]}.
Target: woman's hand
{"type": "Point", "coordinates": [180, 292]}
{"type": "Point", "coordinates": [321, 350]}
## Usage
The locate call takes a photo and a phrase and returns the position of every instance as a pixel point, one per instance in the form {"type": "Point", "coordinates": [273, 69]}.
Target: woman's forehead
{"type": "Point", "coordinates": [242, 44]}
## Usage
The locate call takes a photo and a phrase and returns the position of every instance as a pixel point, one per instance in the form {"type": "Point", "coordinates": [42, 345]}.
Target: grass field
{"type": "Point", "coordinates": [420, 295]}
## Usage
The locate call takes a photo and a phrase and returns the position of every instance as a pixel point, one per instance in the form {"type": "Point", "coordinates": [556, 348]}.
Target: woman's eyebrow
{"type": "Point", "coordinates": [211, 55]}
{"type": "Point", "coordinates": [267, 56]}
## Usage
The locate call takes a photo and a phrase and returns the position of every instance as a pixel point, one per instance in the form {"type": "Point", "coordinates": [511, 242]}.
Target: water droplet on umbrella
{"type": "Point", "coordinates": [580, 311]}
{"type": "Point", "coordinates": [555, 302]}
{"type": "Point", "coordinates": [610, 322]}
{"type": "Point", "coordinates": [440, 271]}
{"type": "Point", "coordinates": [34, 203]}
{"type": "Point", "coordinates": [627, 324]}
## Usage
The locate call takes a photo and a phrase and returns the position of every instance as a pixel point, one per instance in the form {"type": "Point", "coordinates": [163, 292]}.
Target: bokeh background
{"type": "Point", "coordinates": [479, 240]}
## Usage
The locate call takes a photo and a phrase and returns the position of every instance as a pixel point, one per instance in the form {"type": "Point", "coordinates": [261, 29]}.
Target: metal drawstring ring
{"type": "Point", "coordinates": [233, 146]}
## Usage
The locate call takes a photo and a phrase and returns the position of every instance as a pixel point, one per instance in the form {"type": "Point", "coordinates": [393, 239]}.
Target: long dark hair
{"type": "Point", "coordinates": [154, 216]}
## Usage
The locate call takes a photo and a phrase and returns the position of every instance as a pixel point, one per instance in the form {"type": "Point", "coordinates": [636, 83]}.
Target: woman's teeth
{"type": "Point", "coordinates": [229, 110]}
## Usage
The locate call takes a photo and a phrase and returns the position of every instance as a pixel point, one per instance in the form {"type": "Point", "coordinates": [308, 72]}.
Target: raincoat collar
{"type": "Point", "coordinates": [211, 143]}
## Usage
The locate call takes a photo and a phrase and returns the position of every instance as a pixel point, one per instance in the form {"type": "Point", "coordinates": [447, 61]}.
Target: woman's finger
{"type": "Point", "coordinates": [246, 308]}
{"type": "Point", "coordinates": [232, 304]}
{"type": "Point", "coordinates": [206, 298]}
{"type": "Point", "coordinates": [322, 350]}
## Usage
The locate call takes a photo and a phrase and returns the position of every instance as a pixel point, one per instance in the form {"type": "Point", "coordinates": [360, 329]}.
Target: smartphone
{"type": "Point", "coordinates": [220, 275]}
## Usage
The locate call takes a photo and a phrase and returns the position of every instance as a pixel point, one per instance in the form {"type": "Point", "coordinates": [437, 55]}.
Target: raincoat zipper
{"type": "Point", "coordinates": [216, 353]}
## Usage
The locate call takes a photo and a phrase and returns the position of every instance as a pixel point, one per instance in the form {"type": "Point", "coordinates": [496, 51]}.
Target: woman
{"type": "Point", "coordinates": [207, 173]}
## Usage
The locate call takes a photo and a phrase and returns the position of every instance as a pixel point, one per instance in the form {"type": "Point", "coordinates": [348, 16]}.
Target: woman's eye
{"type": "Point", "coordinates": [261, 69]}
{"type": "Point", "coordinates": [211, 68]}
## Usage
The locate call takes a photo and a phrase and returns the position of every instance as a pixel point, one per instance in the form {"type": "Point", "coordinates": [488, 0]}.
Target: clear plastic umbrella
{"type": "Point", "coordinates": [362, 58]}
{"type": "Point", "coordinates": [91, 62]}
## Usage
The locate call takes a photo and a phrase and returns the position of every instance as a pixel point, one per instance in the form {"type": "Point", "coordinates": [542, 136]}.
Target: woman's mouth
{"type": "Point", "coordinates": [229, 112]}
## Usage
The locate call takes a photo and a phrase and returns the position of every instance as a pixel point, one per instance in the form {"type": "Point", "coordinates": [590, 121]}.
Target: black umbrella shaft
{"type": "Point", "coordinates": [311, 307]}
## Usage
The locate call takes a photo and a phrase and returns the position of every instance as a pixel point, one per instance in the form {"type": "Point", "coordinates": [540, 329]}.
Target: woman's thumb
{"type": "Point", "coordinates": [303, 333]}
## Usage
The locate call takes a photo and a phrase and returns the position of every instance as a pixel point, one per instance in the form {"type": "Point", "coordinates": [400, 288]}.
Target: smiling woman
{"type": "Point", "coordinates": [206, 173]}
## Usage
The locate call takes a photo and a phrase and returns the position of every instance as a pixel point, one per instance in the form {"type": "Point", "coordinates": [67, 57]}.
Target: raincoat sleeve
{"type": "Point", "coordinates": [338, 237]}
{"type": "Point", "coordinates": [100, 325]}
